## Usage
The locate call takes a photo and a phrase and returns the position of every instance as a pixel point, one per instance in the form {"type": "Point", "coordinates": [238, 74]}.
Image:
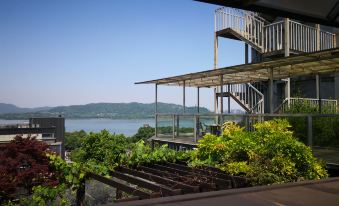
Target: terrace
{"type": "Point", "coordinates": [183, 130]}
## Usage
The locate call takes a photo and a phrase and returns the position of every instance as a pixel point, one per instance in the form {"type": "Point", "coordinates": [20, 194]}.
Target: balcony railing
{"type": "Point", "coordinates": [327, 105]}
{"type": "Point", "coordinates": [270, 37]}
{"type": "Point", "coordinates": [319, 131]}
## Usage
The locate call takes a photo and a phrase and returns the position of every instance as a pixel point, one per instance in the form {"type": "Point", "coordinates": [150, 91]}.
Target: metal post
{"type": "Point", "coordinates": [173, 126]}
{"type": "Point", "coordinates": [317, 26]}
{"type": "Point", "coordinates": [215, 67]}
{"type": "Point", "coordinates": [195, 128]}
{"type": "Point", "coordinates": [287, 53]}
{"type": "Point", "coordinates": [184, 96]}
{"type": "Point", "coordinates": [317, 82]}
{"type": "Point", "coordinates": [198, 99]}
{"type": "Point", "coordinates": [309, 131]}
{"type": "Point", "coordinates": [271, 90]}
{"type": "Point", "coordinates": [287, 37]}
{"type": "Point", "coordinates": [156, 110]}
{"type": "Point", "coordinates": [246, 53]}
{"type": "Point", "coordinates": [229, 99]}
{"type": "Point", "coordinates": [221, 98]}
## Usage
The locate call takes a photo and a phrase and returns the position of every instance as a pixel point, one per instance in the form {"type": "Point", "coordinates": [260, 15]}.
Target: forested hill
{"type": "Point", "coordinates": [104, 110]}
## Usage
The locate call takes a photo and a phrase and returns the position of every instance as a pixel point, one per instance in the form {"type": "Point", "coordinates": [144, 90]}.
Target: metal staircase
{"type": "Point", "coordinates": [268, 38]}
{"type": "Point", "coordinates": [246, 95]}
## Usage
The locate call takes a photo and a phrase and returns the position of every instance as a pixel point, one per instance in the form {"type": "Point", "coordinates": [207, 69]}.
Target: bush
{"type": "Point", "coordinates": [270, 154]}
{"type": "Point", "coordinates": [73, 140]}
{"type": "Point", "coordinates": [24, 164]}
{"type": "Point", "coordinates": [101, 148]}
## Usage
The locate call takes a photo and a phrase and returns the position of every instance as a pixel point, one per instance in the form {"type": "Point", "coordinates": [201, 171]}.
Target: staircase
{"type": "Point", "coordinates": [246, 95]}
{"type": "Point", "coordinates": [268, 38]}
{"type": "Point", "coordinates": [243, 25]}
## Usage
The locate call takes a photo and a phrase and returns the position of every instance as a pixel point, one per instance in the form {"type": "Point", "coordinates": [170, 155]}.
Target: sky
{"type": "Point", "coordinates": [68, 52]}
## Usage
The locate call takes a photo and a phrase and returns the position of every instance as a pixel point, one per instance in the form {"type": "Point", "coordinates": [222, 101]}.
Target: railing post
{"type": "Point", "coordinates": [173, 126]}
{"type": "Point", "coordinates": [195, 128]}
{"type": "Point", "coordinates": [156, 125]}
{"type": "Point", "coordinates": [317, 26]}
{"type": "Point", "coordinates": [309, 131]}
{"type": "Point", "coordinates": [271, 90]}
{"type": "Point", "coordinates": [229, 99]}
{"type": "Point", "coordinates": [156, 110]}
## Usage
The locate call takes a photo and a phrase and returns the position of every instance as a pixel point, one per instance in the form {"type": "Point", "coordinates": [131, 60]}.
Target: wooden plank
{"type": "Point", "coordinates": [163, 190]}
{"type": "Point", "coordinates": [176, 177]}
{"type": "Point", "coordinates": [219, 182]}
{"type": "Point", "coordinates": [123, 187]}
{"type": "Point", "coordinates": [161, 180]}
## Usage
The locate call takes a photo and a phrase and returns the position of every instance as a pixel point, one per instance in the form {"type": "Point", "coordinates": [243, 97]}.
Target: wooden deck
{"type": "Point", "coordinates": [307, 193]}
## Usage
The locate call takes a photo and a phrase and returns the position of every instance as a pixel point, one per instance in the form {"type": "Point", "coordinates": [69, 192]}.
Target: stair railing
{"type": "Point", "coordinates": [248, 24]}
{"type": "Point", "coordinates": [248, 96]}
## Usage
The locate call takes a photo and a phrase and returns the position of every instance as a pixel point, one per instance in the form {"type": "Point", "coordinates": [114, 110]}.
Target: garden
{"type": "Point", "coordinates": [31, 175]}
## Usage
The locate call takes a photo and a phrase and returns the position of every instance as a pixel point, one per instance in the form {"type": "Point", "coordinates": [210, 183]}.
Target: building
{"type": "Point", "coordinates": [289, 54]}
{"type": "Point", "coordinates": [50, 130]}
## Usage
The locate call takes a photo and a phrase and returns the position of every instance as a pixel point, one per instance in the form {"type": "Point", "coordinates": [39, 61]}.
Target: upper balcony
{"type": "Point", "coordinates": [271, 38]}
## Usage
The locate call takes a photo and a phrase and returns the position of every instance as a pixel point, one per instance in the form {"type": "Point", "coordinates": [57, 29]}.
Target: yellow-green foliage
{"type": "Point", "coordinates": [270, 154]}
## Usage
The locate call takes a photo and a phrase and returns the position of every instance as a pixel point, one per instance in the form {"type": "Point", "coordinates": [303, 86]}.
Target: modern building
{"type": "Point", "coordinates": [290, 56]}
{"type": "Point", "coordinates": [50, 130]}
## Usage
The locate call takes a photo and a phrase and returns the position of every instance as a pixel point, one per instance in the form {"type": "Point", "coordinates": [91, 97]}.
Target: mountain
{"type": "Point", "coordinates": [132, 110]}
{"type": "Point", "coordinates": [11, 108]}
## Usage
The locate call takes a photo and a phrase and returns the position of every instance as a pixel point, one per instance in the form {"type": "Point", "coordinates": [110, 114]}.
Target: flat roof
{"type": "Point", "coordinates": [320, 62]}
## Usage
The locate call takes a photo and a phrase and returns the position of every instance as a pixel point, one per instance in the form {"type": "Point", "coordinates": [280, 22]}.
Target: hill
{"type": "Point", "coordinates": [99, 110]}
{"type": "Point", "coordinates": [11, 108]}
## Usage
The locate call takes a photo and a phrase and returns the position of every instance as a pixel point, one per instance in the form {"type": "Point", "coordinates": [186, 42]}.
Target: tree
{"type": "Point", "coordinates": [24, 164]}
{"type": "Point", "coordinates": [73, 140]}
{"type": "Point", "coordinates": [143, 133]}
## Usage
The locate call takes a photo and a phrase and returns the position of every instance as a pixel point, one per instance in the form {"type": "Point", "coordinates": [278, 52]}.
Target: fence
{"type": "Point", "coordinates": [319, 131]}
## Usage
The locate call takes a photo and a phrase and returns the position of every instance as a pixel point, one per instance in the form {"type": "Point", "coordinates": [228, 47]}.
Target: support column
{"type": "Point", "coordinates": [184, 96]}
{"type": "Point", "coordinates": [221, 98]}
{"type": "Point", "coordinates": [229, 99]}
{"type": "Point", "coordinates": [287, 53]}
{"type": "Point", "coordinates": [246, 53]}
{"type": "Point", "coordinates": [271, 90]}
{"type": "Point", "coordinates": [317, 26]}
{"type": "Point", "coordinates": [317, 86]}
{"type": "Point", "coordinates": [198, 99]}
{"type": "Point", "coordinates": [156, 110]}
{"type": "Point", "coordinates": [215, 67]}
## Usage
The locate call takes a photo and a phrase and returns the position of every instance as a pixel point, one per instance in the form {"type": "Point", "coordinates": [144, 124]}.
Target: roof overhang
{"type": "Point", "coordinates": [324, 12]}
{"type": "Point", "coordinates": [326, 61]}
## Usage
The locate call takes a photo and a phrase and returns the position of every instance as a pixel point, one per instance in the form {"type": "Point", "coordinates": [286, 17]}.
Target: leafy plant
{"type": "Point", "coordinates": [270, 154]}
{"type": "Point", "coordinates": [24, 164]}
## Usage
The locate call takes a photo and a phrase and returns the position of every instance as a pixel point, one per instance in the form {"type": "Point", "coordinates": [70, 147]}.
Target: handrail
{"type": "Point", "coordinates": [270, 37]}
{"type": "Point", "coordinates": [290, 101]}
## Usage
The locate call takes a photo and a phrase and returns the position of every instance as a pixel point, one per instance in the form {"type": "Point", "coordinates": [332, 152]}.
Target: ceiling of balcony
{"type": "Point", "coordinates": [324, 12]}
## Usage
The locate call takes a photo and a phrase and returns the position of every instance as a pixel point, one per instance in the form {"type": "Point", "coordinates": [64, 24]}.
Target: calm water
{"type": "Point", "coordinates": [120, 126]}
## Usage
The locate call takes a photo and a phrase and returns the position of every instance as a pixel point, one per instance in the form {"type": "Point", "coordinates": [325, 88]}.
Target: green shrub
{"type": "Point", "coordinates": [270, 154]}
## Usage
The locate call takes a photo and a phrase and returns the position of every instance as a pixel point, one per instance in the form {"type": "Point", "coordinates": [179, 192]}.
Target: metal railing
{"type": "Point", "coordinates": [250, 98]}
{"type": "Point", "coordinates": [270, 37]}
{"type": "Point", "coordinates": [248, 24]}
{"type": "Point", "coordinates": [329, 105]}
{"type": "Point", "coordinates": [273, 36]}
{"type": "Point", "coordinates": [319, 131]}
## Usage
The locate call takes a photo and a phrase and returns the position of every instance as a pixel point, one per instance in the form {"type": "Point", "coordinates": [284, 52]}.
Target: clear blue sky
{"type": "Point", "coordinates": [64, 52]}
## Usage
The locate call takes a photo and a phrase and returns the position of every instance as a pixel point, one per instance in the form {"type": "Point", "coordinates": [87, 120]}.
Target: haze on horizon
{"type": "Point", "coordinates": [64, 52]}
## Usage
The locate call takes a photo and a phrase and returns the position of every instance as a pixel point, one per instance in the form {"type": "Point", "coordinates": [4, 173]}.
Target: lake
{"type": "Point", "coordinates": [127, 127]}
